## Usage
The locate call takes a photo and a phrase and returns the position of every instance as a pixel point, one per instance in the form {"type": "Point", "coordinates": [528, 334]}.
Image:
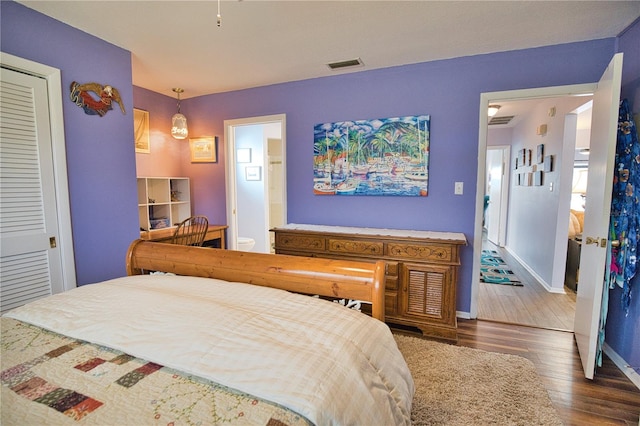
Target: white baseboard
{"type": "Point", "coordinates": [534, 274]}
{"type": "Point", "coordinates": [622, 365]}
{"type": "Point", "coordinates": [463, 315]}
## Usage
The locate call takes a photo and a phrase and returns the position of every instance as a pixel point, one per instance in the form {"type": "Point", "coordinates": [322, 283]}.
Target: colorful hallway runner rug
{"type": "Point", "coordinates": [493, 270]}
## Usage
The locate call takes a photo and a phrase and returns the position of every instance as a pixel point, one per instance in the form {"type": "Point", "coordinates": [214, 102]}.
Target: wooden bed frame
{"type": "Point", "coordinates": [325, 277]}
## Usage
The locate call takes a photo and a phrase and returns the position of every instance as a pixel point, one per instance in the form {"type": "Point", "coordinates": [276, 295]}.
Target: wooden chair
{"type": "Point", "coordinates": [191, 231]}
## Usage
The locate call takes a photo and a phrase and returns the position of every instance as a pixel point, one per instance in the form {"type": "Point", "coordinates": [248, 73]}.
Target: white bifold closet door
{"type": "Point", "coordinates": [30, 261]}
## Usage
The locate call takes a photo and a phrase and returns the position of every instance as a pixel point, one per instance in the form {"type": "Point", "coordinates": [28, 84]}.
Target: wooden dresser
{"type": "Point", "coordinates": [421, 268]}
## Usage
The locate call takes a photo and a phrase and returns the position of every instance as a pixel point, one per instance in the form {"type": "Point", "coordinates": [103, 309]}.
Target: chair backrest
{"type": "Point", "coordinates": [191, 231]}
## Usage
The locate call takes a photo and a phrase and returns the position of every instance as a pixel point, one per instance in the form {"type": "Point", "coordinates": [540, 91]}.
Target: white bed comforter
{"type": "Point", "coordinates": [333, 365]}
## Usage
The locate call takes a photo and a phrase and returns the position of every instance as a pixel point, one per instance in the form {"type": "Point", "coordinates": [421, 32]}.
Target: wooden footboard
{"type": "Point", "coordinates": [307, 275]}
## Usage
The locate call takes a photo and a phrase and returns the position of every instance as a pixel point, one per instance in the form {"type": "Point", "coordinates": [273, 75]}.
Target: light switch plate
{"type": "Point", "coordinates": [459, 188]}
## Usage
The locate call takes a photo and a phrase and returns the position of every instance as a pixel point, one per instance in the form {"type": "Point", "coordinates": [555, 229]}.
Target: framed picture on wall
{"type": "Point", "coordinates": [204, 149]}
{"type": "Point", "coordinates": [243, 155]}
{"type": "Point", "coordinates": [141, 131]}
{"type": "Point", "coordinates": [540, 153]}
{"type": "Point", "coordinates": [537, 178]}
{"type": "Point", "coordinates": [253, 172]}
{"type": "Point", "coordinates": [528, 179]}
{"type": "Point", "coordinates": [358, 157]}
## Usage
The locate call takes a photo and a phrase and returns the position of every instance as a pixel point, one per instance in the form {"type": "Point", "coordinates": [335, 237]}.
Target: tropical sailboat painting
{"type": "Point", "coordinates": [388, 156]}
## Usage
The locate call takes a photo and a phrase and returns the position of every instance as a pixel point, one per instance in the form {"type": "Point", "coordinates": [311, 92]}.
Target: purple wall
{"type": "Point", "coordinates": [172, 157]}
{"type": "Point", "coordinates": [100, 151]}
{"type": "Point", "coordinates": [448, 90]}
{"type": "Point", "coordinates": [165, 158]}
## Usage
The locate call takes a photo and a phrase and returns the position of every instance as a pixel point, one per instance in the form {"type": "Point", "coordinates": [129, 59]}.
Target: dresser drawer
{"type": "Point", "coordinates": [418, 252]}
{"type": "Point", "coordinates": [358, 247]}
{"type": "Point", "coordinates": [300, 242]}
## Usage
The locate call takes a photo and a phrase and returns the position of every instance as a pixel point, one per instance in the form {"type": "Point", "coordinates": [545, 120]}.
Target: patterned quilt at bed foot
{"type": "Point", "coordinates": [48, 378]}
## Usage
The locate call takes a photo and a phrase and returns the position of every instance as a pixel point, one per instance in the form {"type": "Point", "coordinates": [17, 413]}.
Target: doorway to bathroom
{"type": "Point", "coordinates": [255, 181]}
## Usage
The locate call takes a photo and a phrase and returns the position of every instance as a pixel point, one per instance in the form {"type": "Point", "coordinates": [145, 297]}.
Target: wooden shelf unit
{"type": "Point", "coordinates": [421, 268]}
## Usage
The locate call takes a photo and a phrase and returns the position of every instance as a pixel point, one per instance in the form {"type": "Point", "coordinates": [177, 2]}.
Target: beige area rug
{"type": "Point", "coordinates": [462, 386]}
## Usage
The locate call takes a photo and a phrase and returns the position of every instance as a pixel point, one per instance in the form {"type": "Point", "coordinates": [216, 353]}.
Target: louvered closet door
{"type": "Point", "coordinates": [30, 268]}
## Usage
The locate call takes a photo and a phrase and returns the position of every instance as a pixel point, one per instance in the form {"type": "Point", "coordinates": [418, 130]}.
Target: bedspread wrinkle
{"type": "Point", "coordinates": [332, 365]}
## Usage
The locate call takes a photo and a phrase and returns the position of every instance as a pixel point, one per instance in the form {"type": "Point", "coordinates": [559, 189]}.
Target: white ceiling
{"type": "Point", "coordinates": [261, 42]}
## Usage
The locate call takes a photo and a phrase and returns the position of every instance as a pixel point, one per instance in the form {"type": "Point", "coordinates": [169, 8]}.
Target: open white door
{"type": "Point", "coordinates": [495, 220]}
{"type": "Point", "coordinates": [604, 124]}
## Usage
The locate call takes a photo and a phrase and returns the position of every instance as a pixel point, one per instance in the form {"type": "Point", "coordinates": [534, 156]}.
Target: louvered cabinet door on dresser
{"type": "Point", "coordinates": [420, 274]}
{"type": "Point", "coordinates": [428, 296]}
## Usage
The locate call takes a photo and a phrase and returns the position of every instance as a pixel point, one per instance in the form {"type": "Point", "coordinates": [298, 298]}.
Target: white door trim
{"type": "Point", "coordinates": [230, 164]}
{"type": "Point", "coordinates": [496, 97]}
{"type": "Point", "coordinates": [54, 91]}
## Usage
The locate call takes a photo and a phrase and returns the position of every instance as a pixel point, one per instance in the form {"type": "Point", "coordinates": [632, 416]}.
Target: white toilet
{"type": "Point", "coordinates": [246, 243]}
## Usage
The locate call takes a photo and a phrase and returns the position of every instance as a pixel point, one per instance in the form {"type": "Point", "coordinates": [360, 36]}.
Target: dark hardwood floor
{"type": "Point", "coordinates": [610, 399]}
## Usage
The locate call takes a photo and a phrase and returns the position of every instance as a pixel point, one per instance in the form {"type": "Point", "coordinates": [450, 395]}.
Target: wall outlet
{"type": "Point", "coordinates": [459, 188]}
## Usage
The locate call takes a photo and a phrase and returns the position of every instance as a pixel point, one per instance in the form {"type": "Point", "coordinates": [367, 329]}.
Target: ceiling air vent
{"type": "Point", "coordinates": [357, 62]}
{"type": "Point", "coordinates": [501, 120]}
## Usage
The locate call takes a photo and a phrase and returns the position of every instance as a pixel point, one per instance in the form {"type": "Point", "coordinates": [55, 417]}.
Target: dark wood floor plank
{"type": "Point", "coordinates": [610, 399]}
{"type": "Point", "coordinates": [530, 322]}
{"type": "Point", "coordinates": [595, 407]}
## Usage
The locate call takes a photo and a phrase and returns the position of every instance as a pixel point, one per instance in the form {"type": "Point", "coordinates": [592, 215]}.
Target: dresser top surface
{"type": "Point", "coordinates": [455, 237]}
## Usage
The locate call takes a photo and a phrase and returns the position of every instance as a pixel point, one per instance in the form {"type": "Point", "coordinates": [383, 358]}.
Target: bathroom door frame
{"type": "Point", "coordinates": [230, 175]}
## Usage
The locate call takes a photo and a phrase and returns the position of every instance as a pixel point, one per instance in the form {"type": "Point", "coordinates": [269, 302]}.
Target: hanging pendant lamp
{"type": "Point", "coordinates": [179, 128]}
